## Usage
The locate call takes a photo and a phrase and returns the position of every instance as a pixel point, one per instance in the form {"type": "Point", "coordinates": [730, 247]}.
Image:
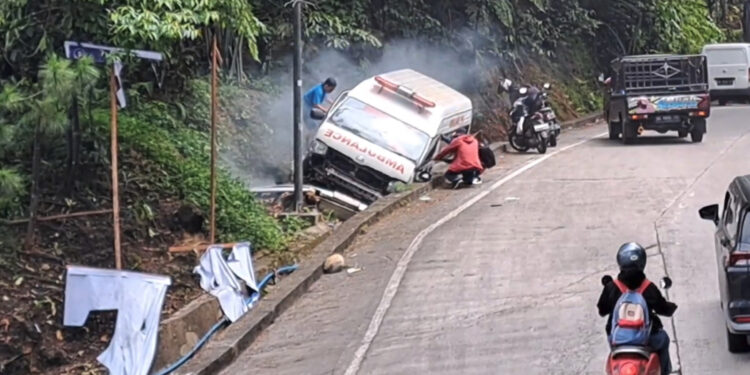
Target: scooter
{"type": "Point", "coordinates": [631, 359]}
{"type": "Point", "coordinates": [549, 116]}
{"type": "Point", "coordinates": [529, 129]}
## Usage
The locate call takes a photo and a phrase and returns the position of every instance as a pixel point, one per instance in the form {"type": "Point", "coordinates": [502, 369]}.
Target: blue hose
{"type": "Point", "coordinates": [201, 342]}
{"type": "Point", "coordinates": [225, 321]}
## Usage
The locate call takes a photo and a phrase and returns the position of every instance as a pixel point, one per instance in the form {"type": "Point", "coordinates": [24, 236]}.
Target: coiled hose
{"type": "Point", "coordinates": [225, 321]}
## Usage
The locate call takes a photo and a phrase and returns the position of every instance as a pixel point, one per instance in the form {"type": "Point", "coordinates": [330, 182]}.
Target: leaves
{"type": "Point", "coordinates": [163, 23]}
{"type": "Point", "coordinates": [684, 26]}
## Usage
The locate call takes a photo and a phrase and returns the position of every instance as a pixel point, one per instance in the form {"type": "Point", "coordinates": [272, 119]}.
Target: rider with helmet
{"type": "Point", "coordinates": [631, 258]}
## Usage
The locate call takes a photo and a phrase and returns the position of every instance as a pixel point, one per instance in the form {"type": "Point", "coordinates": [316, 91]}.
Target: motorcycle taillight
{"type": "Point", "coordinates": [628, 368]}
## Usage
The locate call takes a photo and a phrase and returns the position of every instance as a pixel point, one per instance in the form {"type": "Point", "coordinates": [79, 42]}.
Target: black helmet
{"type": "Point", "coordinates": [631, 256]}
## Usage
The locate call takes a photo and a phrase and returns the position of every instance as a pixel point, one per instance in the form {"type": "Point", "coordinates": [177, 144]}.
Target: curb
{"type": "Point", "coordinates": [583, 120]}
{"type": "Point", "coordinates": [222, 350]}
{"type": "Point", "coordinates": [181, 330]}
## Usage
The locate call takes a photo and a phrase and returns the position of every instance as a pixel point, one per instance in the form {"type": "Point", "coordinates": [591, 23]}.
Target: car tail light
{"type": "Point", "coordinates": [405, 92]}
{"type": "Point", "coordinates": [742, 319]}
{"type": "Point", "coordinates": [638, 117]}
{"type": "Point", "coordinates": [699, 114]}
{"type": "Point", "coordinates": [738, 259]}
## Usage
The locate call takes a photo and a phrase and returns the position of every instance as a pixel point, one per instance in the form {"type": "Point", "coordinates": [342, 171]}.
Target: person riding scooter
{"type": "Point", "coordinates": [631, 258]}
{"type": "Point", "coordinates": [467, 166]}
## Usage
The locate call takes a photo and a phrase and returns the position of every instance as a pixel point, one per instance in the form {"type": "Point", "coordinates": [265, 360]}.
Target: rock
{"type": "Point", "coordinates": [189, 219]}
{"type": "Point", "coordinates": [53, 356]}
{"type": "Point", "coordinates": [334, 263]}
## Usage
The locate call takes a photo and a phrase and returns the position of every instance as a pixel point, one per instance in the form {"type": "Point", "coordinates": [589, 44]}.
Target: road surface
{"type": "Point", "coordinates": [509, 285]}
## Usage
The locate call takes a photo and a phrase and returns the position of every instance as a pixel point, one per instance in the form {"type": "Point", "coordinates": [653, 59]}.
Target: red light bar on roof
{"type": "Point", "coordinates": [405, 92]}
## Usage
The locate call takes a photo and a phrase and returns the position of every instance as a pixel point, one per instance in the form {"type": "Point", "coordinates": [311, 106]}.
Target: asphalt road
{"type": "Point", "coordinates": [509, 285]}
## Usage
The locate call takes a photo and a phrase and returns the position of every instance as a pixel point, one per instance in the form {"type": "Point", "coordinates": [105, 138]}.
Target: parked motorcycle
{"type": "Point", "coordinates": [631, 359]}
{"type": "Point", "coordinates": [550, 117]}
{"type": "Point", "coordinates": [530, 129]}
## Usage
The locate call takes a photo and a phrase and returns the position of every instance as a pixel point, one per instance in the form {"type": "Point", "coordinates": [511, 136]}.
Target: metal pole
{"type": "Point", "coordinates": [297, 105]}
{"type": "Point", "coordinates": [115, 183]}
{"type": "Point", "coordinates": [214, 84]}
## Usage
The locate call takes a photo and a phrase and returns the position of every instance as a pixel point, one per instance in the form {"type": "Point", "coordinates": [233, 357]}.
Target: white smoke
{"type": "Point", "coordinates": [441, 63]}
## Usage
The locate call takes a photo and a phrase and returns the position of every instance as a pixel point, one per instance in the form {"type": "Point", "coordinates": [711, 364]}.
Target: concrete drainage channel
{"type": "Point", "coordinates": [179, 333]}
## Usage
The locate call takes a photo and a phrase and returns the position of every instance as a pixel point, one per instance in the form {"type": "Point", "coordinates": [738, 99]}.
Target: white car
{"type": "Point", "coordinates": [728, 71]}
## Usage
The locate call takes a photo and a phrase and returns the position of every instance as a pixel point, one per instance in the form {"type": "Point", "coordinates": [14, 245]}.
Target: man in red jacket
{"type": "Point", "coordinates": [466, 167]}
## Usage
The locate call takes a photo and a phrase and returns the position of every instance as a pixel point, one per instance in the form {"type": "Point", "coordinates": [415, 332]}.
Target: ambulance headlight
{"type": "Point", "coordinates": [319, 147]}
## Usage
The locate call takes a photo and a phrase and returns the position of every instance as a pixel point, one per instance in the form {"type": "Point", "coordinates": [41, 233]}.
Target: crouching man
{"type": "Point", "coordinates": [466, 166]}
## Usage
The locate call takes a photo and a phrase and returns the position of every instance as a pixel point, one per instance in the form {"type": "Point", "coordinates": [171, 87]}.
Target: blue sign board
{"type": "Point", "coordinates": [76, 50]}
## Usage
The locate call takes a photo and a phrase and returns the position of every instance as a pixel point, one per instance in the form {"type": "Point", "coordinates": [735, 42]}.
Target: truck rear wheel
{"type": "Point", "coordinates": [629, 132]}
{"type": "Point", "coordinates": [614, 130]}
{"type": "Point", "coordinates": [699, 128]}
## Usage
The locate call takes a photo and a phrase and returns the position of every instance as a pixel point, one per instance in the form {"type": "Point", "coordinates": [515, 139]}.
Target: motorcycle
{"type": "Point", "coordinates": [549, 116]}
{"type": "Point", "coordinates": [631, 359]}
{"type": "Point", "coordinates": [530, 129]}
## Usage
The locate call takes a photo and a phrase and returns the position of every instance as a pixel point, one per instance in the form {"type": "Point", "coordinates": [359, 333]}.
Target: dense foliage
{"type": "Point", "coordinates": [40, 89]}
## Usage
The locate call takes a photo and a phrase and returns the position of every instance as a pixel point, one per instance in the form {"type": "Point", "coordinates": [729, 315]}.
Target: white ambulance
{"type": "Point", "coordinates": [384, 131]}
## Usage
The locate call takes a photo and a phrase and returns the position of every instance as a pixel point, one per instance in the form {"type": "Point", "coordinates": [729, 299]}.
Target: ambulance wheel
{"type": "Point", "coordinates": [737, 343]}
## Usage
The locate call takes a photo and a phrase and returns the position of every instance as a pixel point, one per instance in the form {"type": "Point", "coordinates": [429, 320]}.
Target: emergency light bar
{"type": "Point", "coordinates": [405, 92]}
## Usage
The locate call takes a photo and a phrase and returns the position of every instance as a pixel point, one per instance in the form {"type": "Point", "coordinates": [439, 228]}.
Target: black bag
{"type": "Point", "coordinates": [487, 157]}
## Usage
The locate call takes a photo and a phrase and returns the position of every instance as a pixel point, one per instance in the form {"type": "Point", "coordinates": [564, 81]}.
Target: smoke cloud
{"type": "Point", "coordinates": [445, 65]}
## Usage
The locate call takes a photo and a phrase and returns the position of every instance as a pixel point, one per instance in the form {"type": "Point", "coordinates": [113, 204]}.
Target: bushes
{"type": "Point", "coordinates": [182, 153]}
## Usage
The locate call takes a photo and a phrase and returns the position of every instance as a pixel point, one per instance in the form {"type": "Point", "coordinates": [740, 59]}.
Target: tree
{"type": "Point", "coordinates": [11, 183]}
{"type": "Point", "coordinates": [46, 113]}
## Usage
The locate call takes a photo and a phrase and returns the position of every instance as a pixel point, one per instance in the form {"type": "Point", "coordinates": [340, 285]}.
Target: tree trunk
{"type": "Point", "coordinates": [74, 140]}
{"type": "Point", "coordinates": [34, 201]}
{"type": "Point", "coordinates": [746, 22]}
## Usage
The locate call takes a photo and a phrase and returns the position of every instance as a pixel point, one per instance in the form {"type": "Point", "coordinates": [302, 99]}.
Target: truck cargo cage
{"type": "Point", "coordinates": [662, 73]}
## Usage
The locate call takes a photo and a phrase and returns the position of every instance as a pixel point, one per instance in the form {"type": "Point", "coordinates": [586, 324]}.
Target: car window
{"type": "Point", "coordinates": [745, 235]}
{"type": "Point", "coordinates": [730, 221]}
{"type": "Point", "coordinates": [727, 56]}
{"type": "Point", "coordinates": [381, 129]}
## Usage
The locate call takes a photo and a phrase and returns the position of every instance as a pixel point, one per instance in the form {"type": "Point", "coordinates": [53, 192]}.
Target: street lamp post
{"type": "Point", "coordinates": [297, 105]}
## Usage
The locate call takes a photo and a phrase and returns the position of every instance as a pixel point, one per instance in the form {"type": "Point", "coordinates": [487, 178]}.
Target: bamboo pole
{"type": "Point", "coordinates": [56, 217]}
{"type": "Point", "coordinates": [200, 247]}
{"type": "Point", "coordinates": [214, 84]}
{"type": "Point", "coordinates": [115, 183]}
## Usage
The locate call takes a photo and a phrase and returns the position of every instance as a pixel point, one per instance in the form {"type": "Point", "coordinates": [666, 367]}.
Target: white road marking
{"type": "Point", "coordinates": [398, 274]}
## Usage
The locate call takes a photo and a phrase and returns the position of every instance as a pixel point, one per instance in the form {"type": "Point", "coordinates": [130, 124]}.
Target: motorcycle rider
{"type": "Point", "coordinates": [467, 166]}
{"type": "Point", "coordinates": [533, 99]}
{"type": "Point", "coordinates": [631, 258]}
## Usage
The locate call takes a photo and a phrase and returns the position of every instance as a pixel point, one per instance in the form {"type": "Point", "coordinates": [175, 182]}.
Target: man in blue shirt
{"type": "Point", "coordinates": [314, 99]}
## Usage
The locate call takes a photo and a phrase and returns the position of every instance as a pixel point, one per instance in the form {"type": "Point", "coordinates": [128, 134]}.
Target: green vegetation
{"type": "Point", "coordinates": [179, 156]}
{"type": "Point", "coordinates": [54, 117]}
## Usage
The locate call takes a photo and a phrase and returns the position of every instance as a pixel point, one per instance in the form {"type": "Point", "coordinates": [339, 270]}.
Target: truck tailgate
{"type": "Point", "coordinates": [668, 103]}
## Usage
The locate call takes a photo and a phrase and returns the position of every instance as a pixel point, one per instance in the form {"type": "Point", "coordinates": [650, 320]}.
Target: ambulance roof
{"type": "Point", "coordinates": [448, 102]}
